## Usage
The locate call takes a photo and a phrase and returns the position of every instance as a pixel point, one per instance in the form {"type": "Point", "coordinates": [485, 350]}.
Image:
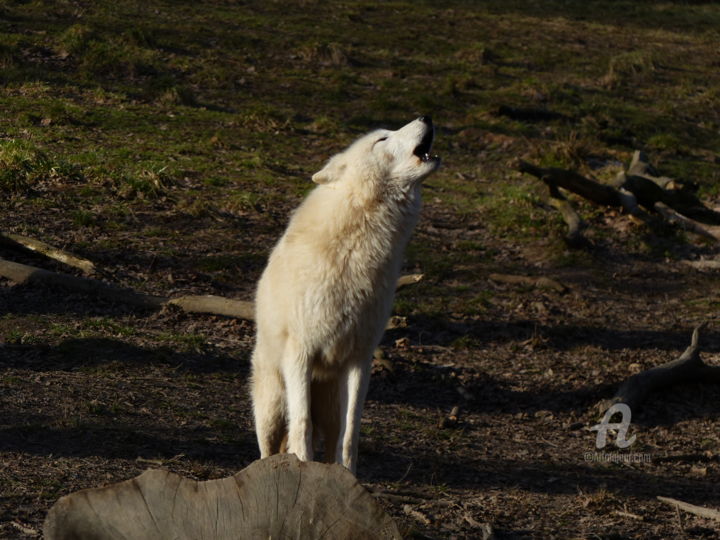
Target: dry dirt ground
{"type": "Point", "coordinates": [526, 372]}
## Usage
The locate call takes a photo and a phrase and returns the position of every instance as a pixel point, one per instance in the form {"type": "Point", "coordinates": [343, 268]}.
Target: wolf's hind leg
{"type": "Point", "coordinates": [268, 397]}
{"type": "Point", "coordinates": [297, 376]}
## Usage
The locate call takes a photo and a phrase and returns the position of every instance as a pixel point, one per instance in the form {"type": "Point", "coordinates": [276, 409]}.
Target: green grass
{"type": "Point", "coordinates": [117, 109]}
{"type": "Point", "coordinates": [23, 165]}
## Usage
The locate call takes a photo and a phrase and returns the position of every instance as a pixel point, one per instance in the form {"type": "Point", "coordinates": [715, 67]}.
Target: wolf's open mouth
{"type": "Point", "coordinates": [422, 150]}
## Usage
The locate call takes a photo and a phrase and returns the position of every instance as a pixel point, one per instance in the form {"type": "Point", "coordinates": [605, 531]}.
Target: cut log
{"type": "Point", "coordinates": [688, 368]}
{"type": "Point", "coordinates": [277, 497]}
{"type": "Point", "coordinates": [49, 251]}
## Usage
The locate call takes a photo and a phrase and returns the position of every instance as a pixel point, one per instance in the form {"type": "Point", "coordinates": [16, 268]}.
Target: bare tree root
{"type": "Point", "coordinates": [688, 368]}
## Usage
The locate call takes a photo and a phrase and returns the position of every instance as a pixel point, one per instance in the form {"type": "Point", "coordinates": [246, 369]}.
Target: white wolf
{"type": "Point", "coordinates": [326, 294]}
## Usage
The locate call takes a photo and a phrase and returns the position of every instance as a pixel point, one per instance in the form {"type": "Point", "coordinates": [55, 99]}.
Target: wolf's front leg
{"type": "Point", "coordinates": [297, 374]}
{"type": "Point", "coordinates": [357, 381]}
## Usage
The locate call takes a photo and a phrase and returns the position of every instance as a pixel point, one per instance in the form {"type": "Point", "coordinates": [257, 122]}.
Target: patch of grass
{"type": "Point", "coordinates": [23, 165]}
{"type": "Point", "coordinates": [514, 209]}
{"type": "Point", "coordinates": [143, 181]}
{"type": "Point", "coordinates": [669, 142]}
{"type": "Point", "coordinates": [185, 342]}
{"type": "Point", "coordinates": [83, 218]}
{"type": "Point", "coordinates": [630, 68]}
{"type": "Point", "coordinates": [20, 337]}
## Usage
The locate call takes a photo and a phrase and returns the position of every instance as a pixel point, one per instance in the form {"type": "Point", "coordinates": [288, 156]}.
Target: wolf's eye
{"type": "Point", "coordinates": [381, 139]}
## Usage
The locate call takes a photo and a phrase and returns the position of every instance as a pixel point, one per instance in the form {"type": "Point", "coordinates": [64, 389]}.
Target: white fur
{"type": "Point", "coordinates": [326, 294]}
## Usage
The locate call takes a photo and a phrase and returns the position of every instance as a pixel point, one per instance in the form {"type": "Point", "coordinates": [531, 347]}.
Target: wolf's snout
{"type": "Point", "coordinates": [422, 150]}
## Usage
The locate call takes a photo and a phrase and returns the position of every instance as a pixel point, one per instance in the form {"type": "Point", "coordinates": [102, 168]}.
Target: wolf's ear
{"type": "Point", "coordinates": [332, 170]}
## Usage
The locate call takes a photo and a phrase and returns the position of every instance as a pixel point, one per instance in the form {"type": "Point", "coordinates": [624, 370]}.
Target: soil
{"type": "Point", "coordinates": [526, 372]}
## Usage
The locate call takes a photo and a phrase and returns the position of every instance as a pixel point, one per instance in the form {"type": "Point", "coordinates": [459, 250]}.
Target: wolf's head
{"type": "Point", "coordinates": [399, 157]}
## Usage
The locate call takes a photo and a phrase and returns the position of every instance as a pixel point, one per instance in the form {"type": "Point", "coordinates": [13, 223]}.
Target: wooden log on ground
{"type": "Point", "coordinates": [49, 251]}
{"type": "Point", "coordinates": [277, 497]}
{"type": "Point", "coordinates": [216, 305]}
{"type": "Point", "coordinates": [640, 185]}
{"type": "Point", "coordinates": [640, 166]}
{"type": "Point", "coordinates": [576, 183]}
{"type": "Point", "coordinates": [210, 304]}
{"type": "Point", "coordinates": [650, 188]}
{"type": "Point", "coordinates": [574, 222]}
{"type": "Point", "coordinates": [31, 275]}
{"type": "Point", "coordinates": [688, 368]}
{"type": "Point", "coordinates": [671, 216]}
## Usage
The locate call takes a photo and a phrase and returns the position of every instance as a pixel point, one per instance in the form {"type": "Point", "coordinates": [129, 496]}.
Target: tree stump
{"type": "Point", "coordinates": [277, 497]}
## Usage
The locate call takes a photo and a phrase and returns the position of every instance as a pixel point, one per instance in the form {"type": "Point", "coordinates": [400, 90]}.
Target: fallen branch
{"type": "Point", "coordinates": [688, 368]}
{"type": "Point", "coordinates": [49, 251]}
{"type": "Point", "coordinates": [409, 279]}
{"type": "Point", "coordinates": [640, 166]}
{"type": "Point", "coordinates": [215, 305]}
{"type": "Point", "coordinates": [30, 275]}
{"type": "Point", "coordinates": [686, 223]}
{"type": "Point", "coordinates": [574, 222]}
{"type": "Point", "coordinates": [704, 264]}
{"type": "Point", "coordinates": [701, 511]}
{"type": "Point", "coordinates": [577, 183]}
{"type": "Point", "coordinates": [639, 187]}
{"type": "Point", "coordinates": [416, 514]}
{"type": "Point", "coordinates": [671, 192]}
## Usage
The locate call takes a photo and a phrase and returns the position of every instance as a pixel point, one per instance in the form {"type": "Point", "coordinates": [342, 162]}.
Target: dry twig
{"type": "Point", "coordinates": [702, 511]}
